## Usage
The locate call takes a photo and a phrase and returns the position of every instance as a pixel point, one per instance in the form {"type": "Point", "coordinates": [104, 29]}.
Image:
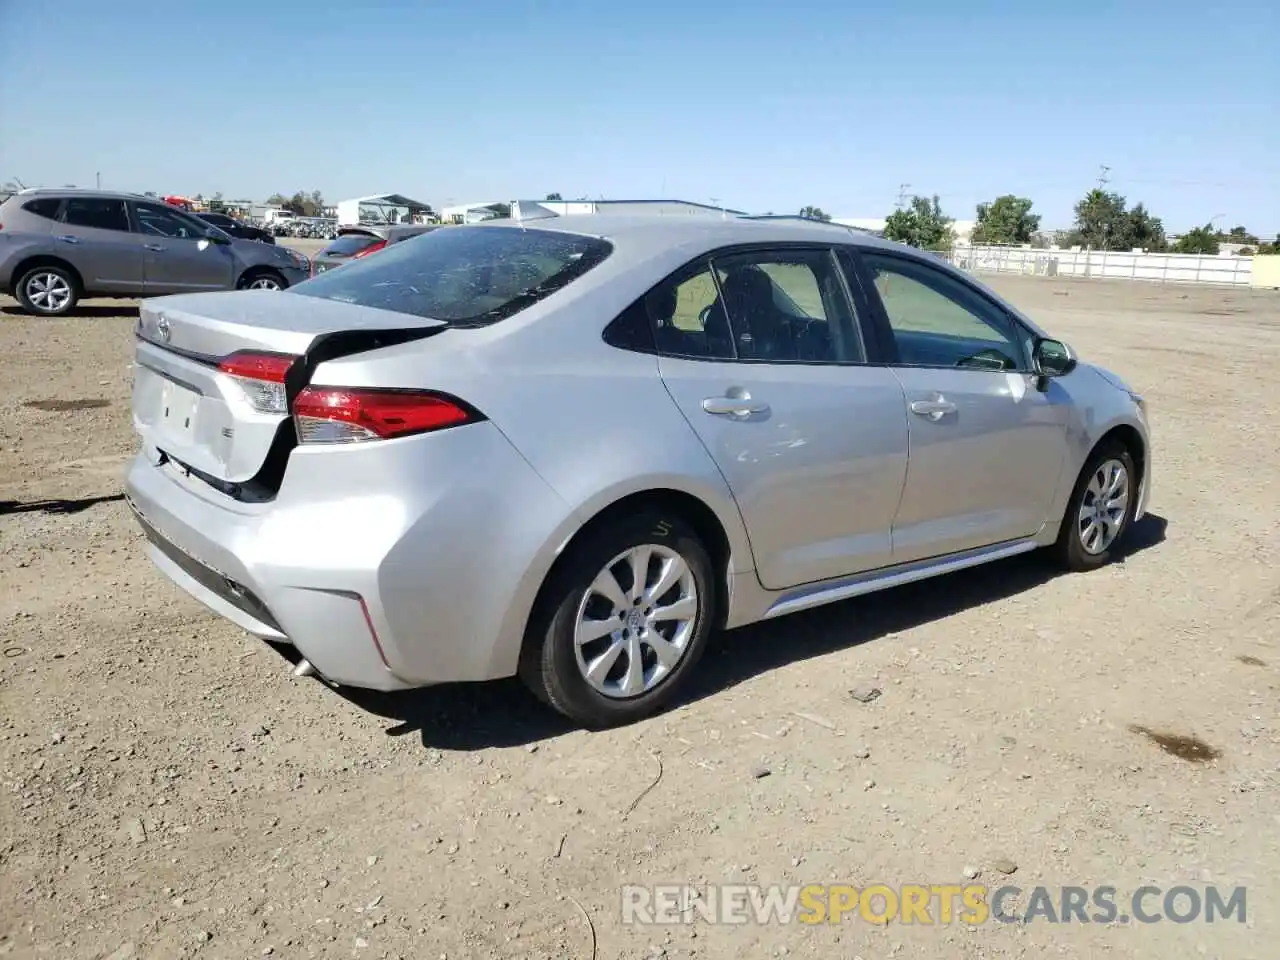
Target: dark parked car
{"type": "Point", "coordinates": [356, 242]}
{"type": "Point", "coordinates": [57, 246]}
{"type": "Point", "coordinates": [233, 227]}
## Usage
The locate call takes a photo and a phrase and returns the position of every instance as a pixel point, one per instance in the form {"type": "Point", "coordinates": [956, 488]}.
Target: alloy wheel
{"type": "Point", "coordinates": [1103, 507]}
{"type": "Point", "coordinates": [636, 621]}
{"type": "Point", "coordinates": [48, 292]}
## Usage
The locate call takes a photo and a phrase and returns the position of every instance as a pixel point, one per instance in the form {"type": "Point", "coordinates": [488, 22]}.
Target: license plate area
{"type": "Point", "coordinates": [179, 407]}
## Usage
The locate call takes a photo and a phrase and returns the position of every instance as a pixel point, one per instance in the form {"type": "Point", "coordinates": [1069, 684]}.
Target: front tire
{"type": "Point", "coordinates": [1100, 510]}
{"type": "Point", "coordinates": [48, 291]}
{"type": "Point", "coordinates": [262, 280]}
{"type": "Point", "coordinates": [622, 622]}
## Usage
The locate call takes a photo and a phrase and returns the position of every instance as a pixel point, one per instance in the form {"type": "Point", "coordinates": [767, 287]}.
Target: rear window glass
{"type": "Point", "coordinates": [43, 207]}
{"type": "Point", "coordinates": [463, 275]}
{"type": "Point", "coordinates": [349, 244]}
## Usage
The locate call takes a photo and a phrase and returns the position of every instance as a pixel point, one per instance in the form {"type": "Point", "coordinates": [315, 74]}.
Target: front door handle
{"type": "Point", "coordinates": [154, 247]}
{"type": "Point", "coordinates": [933, 409]}
{"type": "Point", "coordinates": [742, 406]}
{"type": "Point", "coordinates": [67, 239]}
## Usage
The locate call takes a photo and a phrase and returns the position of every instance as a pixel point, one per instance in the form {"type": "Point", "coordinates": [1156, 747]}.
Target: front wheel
{"type": "Point", "coordinates": [1100, 509]}
{"type": "Point", "coordinates": [48, 291]}
{"type": "Point", "coordinates": [263, 280]}
{"type": "Point", "coordinates": [622, 622]}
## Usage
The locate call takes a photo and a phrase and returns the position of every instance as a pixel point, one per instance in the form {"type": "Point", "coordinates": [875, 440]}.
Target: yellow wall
{"type": "Point", "coordinates": [1266, 271]}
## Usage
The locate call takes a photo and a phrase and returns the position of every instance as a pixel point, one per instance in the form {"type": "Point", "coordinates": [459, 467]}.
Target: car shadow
{"type": "Point", "coordinates": [56, 506]}
{"type": "Point", "coordinates": [81, 312]}
{"type": "Point", "coordinates": [502, 713]}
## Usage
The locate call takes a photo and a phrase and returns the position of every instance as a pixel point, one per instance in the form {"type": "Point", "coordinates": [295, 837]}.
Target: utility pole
{"type": "Point", "coordinates": [99, 176]}
{"type": "Point", "coordinates": [1103, 178]}
{"type": "Point", "coordinates": [902, 195]}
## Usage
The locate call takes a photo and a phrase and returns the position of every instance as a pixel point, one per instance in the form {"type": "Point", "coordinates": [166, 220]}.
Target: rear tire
{"type": "Point", "coordinates": [262, 280]}
{"type": "Point", "coordinates": [48, 291]}
{"type": "Point", "coordinates": [1100, 510]}
{"type": "Point", "coordinates": [601, 677]}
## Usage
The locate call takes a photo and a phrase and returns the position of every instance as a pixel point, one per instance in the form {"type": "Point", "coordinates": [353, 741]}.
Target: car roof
{"type": "Point", "coordinates": [31, 193]}
{"type": "Point", "coordinates": [638, 233]}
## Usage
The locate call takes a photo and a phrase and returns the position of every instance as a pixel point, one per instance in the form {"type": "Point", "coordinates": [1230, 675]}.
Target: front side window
{"type": "Point", "coordinates": [158, 221]}
{"type": "Point", "coordinates": [939, 321]}
{"type": "Point", "coordinates": [97, 213]}
{"type": "Point", "coordinates": [466, 276]}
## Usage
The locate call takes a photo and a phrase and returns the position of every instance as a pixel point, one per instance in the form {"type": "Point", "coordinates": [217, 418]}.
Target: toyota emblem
{"type": "Point", "coordinates": [162, 329]}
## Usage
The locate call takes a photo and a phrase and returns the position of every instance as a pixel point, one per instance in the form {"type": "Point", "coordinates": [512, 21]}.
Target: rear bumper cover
{"type": "Point", "coordinates": [377, 561]}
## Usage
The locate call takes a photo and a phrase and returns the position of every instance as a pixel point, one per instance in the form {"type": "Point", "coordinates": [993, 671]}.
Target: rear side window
{"type": "Point", "coordinates": [463, 275]}
{"type": "Point", "coordinates": [44, 207]}
{"type": "Point", "coordinates": [349, 244]}
{"type": "Point", "coordinates": [96, 212]}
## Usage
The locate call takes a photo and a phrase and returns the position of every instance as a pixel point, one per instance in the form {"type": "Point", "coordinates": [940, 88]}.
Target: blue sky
{"type": "Point", "coordinates": [765, 106]}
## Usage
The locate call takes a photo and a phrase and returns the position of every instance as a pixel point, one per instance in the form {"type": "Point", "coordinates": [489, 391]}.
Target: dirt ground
{"type": "Point", "coordinates": [170, 791]}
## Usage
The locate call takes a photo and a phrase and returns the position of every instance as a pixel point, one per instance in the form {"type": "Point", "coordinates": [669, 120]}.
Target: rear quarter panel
{"type": "Point", "coordinates": [595, 422]}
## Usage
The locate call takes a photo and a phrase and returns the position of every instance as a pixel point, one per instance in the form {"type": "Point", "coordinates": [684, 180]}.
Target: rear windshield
{"type": "Point", "coordinates": [463, 275]}
{"type": "Point", "coordinates": [349, 244]}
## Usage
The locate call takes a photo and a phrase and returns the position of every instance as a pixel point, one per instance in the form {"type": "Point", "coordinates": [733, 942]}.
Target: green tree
{"type": "Point", "coordinates": [1104, 223]}
{"type": "Point", "coordinates": [1007, 219]}
{"type": "Point", "coordinates": [814, 213]}
{"type": "Point", "coordinates": [922, 224]}
{"type": "Point", "coordinates": [1238, 235]}
{"type": "Point", "coordinates": [1200, 240]}
{"type": "Point", "coordinates": [554, 196]}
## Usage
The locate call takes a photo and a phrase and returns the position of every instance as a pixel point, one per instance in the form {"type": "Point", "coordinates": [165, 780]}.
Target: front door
{"type": "Point", "coordinates": [95, 234]}
{"type": "Point", "coordinates": [987, 447]}
{"type": "Point", "coordinates": [177, 256]}
{"type": "Point", "coordinates": [764, 357]}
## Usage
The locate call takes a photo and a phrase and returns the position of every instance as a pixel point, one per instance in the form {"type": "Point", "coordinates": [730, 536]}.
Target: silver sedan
{"type": "Point", "coordinates": [571, 448]}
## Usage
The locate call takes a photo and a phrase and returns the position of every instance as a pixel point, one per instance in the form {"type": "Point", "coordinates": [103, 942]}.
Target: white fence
{"type": "Point", "coordinates": [1157, 267]}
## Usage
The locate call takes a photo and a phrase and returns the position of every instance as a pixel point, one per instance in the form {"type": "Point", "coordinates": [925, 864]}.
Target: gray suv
{"type": "Point", "coordinates": [57, 246]}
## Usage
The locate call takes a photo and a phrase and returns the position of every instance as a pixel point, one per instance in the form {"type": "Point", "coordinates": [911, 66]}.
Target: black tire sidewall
{"type": "Point", "coordinates": [1070, 549]}
{"type": "Point", "coordinates": [31, 308]}
{"type": "Point", "coordinates": [554, 674]}
{"type": "Point", "coordinates": [255, 275]}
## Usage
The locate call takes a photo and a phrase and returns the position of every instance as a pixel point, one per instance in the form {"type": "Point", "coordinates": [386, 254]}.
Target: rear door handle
{"type": "Point", "coordinates": [932, 409]}
{"type": "Point", "coordinates": [154, 247]}
{"type": "Point", "coordinates": [742, 406]}
{"type": "Point", "coordinates": [67, 239]}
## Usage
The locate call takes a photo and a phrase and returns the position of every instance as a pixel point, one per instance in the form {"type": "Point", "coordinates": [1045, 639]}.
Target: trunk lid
{"type": "Point", "coordinates": [201, 417]}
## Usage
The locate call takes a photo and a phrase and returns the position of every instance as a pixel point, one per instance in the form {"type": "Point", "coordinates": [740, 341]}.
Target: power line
{"type": "Point", "coordinates": [1103, 179]}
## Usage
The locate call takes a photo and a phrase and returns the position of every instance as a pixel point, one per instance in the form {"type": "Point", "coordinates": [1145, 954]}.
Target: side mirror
{"type": "Point", "coordinates": [1051, 358]}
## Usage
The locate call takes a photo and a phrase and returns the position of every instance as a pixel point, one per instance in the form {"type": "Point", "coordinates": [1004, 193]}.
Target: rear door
{"type": "Point", "coordinates": [987, 447]}
{"type": "Point", "coordinates": [93, 234]}
{"type": "Point", "coordinates": [177, 256]}
{"type": "Point", "coordinates": [763, 354]}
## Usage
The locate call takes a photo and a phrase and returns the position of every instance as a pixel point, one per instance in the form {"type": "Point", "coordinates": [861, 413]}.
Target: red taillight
{"type": "Point", "coordinates": [372, 248]}
{"type": "Point", "coordinates": [261, 378]}
{"type": "Point", "coordinates": [341, 415]}
{"type": "Point", "coordinates": [271, 367]}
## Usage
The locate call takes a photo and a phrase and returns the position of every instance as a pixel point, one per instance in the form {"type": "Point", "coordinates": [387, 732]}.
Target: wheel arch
{"type": "Point", "coordinates": [1133, 441]}
{"type": "Point", "coordinates": [249, 274]}
{"type": "Point", "coordinates": [693, 510]}
{"type": "Point", "coordinates": [44, 260]}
